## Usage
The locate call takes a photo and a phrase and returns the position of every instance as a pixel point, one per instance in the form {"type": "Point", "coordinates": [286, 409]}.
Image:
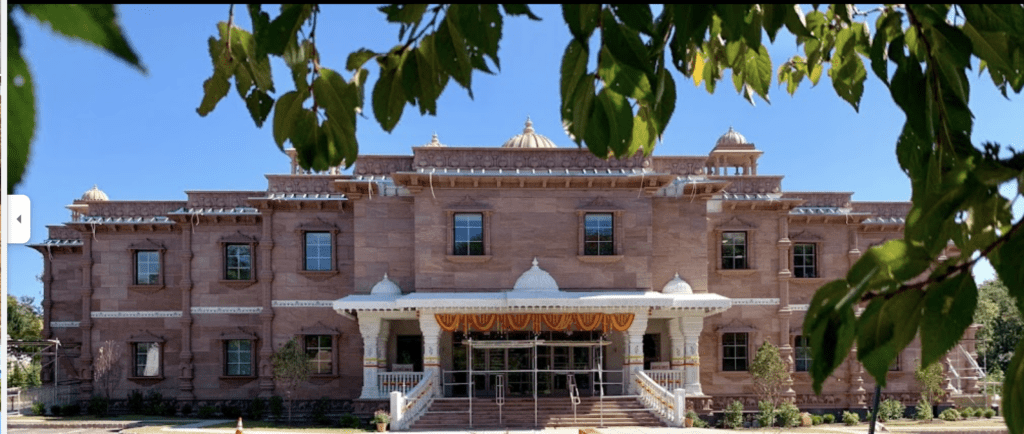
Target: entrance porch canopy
{"type": "Point", "coordinates": [707, 304]}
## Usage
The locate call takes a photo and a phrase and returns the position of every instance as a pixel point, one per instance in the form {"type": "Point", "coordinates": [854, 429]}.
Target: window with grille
{"type": "Point", "coordinates": [598, 234]}
{"type": "Point", "coordinates": [734, 250]}
{"type": "Point", "coordinates": [805, 263]}
{"type": "Point", "coordinates": [469, 234]}
{"type": "Point", "coordinates": [734, 352]}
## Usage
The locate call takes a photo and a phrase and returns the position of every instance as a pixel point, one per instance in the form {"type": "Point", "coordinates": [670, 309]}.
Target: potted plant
{"type": "Point", "coordinates": [382, 419]}
{"type": "Point", "coordinates": [690, 416]}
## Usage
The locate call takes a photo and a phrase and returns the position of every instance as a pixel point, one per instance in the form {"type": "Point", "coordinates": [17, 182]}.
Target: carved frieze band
{"type": "Point", "coordinates": [64, 324]}
{"type": "Point", "coordinates": [800, 307]}
{"type": "Point", "coordinates": [883, 209]}
{"type": "Point", "coordinates": [838, 200]}
{"type": "Point", "coordinates": [225, 310]}
{"type": "Point", "coordinates": [382, 165]}
{"type": "Point", "coordinates": [133, 208]}
{"type": "Point", "coordinates": [137, 314]}
{"type": "Point", "coordinates": [754, 301]}
{"type": "Point", "coordinates": [221, 199]}
{"type": "Point", "coordinates": [751, 184]}
{"type": "Point", "coordinates": [572, 159]}
{"type": "Point", "coordinates": [302, 303]}
{"type": "Point", "coordinates": [300, 183]}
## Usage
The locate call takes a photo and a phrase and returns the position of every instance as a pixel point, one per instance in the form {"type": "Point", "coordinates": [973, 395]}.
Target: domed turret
{"type": "Point", "coordinates": [434, 143]}
{"type": "Point", "coordinates": [529, 139]}
{"type": "Point", "coordinates": [94, 194]}
{"type": "Point", "coordinates": [535, 279]}
{"type": "Point", "coordinates": [733, 151]}
{"type": "Point", "coordinates": [731, 139]}
{"type": "Point", "coordinates": [677, 286]}
{"type": "Point", "coordinates": [386, 287]}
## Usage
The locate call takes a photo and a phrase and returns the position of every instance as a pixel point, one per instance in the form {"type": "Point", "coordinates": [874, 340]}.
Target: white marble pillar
{"type": "Point", "coordinates": [369, 328]}
{"type": "Point", "coordinates": [635, 350]}
{"type": "Point", "coordinates": [691, 329]}
{"type": "Point", "coordinates": [382, 346]}
{"type": "Point", "coordinates": [431, 349]}
{"type": "Point", "coordinates": [675, 333]}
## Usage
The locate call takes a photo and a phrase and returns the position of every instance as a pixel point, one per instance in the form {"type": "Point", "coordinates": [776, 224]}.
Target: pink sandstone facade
{"type": "Point", "coordinates": [684, 266]}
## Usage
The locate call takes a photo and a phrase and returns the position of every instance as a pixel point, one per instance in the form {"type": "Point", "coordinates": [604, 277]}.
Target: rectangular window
{"type": "Point", "coordinates": [734, 352]}
{"type": "Point", "coordinates": [469, 234]}
{"type": "Point", "coordinates": [147, 359]}
{"type": "Point", "coordinates": [147, 267]}
{"type": "Point", "coordinates": [895, 366]}
{"type": "Point", "coordinates": [734, 251]}
{"type": "Point", "coordinates": [320, 352]}
{"type": "Point", "coordinates": [318, 251]}
{"type": "Point", "coordinates": [597, 230]}
{"type": "Point", "coordinates": [239, 262]}
{"type": "Point", "coordinates": [238, 358]}
{"type": "Point", "coordinates": [804, 262]}
{"type": "Point", "coordinates": [802, 353]}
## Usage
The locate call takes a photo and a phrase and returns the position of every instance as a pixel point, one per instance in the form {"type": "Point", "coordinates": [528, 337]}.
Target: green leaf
{"type": "Point", "coordinates": [757, 71]}
{"type": "Point", "coordinates": [734, 20]}
{"type": "Point", "coordinates": [582, 19]}
{"type": "Point", "coordinates": [482, 26]}
{"type": "Point", "coordinates": [847, 72]}
{"type": "Point", "coordinates": [579, 111]}
{"type": "Point", "coordinates": [885, 328]}
{"type": "Point", "coordinates": [619, 116]}
{"type": "Point", "coordinates": [282, 31]}
{"type": "Point", "coordinates": [891, 263]}
{"type": "Point", "coordinates": [573, 70]}
{"type": "Point", "coordinates": [1008, 262]}
{"type": "Point", "coordinates": [795, 21]}
{"type": "Point", "coordinates": [452, 55]}
{"type": "Point", "coordinates": [644, 132]}
{"type": "Point", "coordinates": [305, 134]}
{"type": "Point", "coordinates": [830, 324]}
{"type": "Point", "coordinates": [519, 9]}
{"type": "Point", "coordinates": [286, 114]}
{"type": "Point", "coordinates": [774, 18]}
{"type": "Point", "coordinates": [637, 16]}
{"type": "Point", "coordinates": [432, 78]}
{"type": "Point", "coordinates": [21, 108]}
{"type": "Point", "coordinates": [1013, 391]}
{"type": "Point", "coordinates": [296, 56]}
{"type": "Point", "coordinates": [358, 58]}
{"type": "Point", "coordinates": [692, 21]}
{"type": "Point", "coordinates": [597, 134]}
{"type": "Point", "coordinates": [259, 105]}
{"type": "Point", "coordinates": [625, 44]}
{"type": "Point", "coordinates": [664, 101]}
{"type": "Point", "coordinates": [388, 99]}
{"type": "Point", "coordinates": [948, 310]}
{"type": "Point", "coordinates": [404, 13]}
{"type": "Point", "coordinates": [624, 79]}
{"type": "Point", "coordinates": [215, 88]}
{"type": "Point", "coordinates": [95, 24]}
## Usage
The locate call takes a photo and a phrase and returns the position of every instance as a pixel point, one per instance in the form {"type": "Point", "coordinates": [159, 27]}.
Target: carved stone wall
{"type": "Point", "coordinates": [751, 184]}
{"type": "Point", "coordinates": [125, 208]}
{"type": "Point", "coordinates": [681, 166]}
{"type": "Point", "coordinates": [883, 209]}
{"type": "Point", "coordinates": [502, 158]}
{"type": "Point", "coordinates": [63, 233]}
{"type": "Point", "coordinates": [822, 199]}
{"type": "Point", "coordinates": [370, 165]}
{"type": "Point", "coordinates": [301, 183]}
{"type": "Point", "coordinates": [220, 199]}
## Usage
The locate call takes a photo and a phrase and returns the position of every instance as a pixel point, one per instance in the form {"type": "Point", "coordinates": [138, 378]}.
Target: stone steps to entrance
{"type": "Point", "coordinates": [551, 412]}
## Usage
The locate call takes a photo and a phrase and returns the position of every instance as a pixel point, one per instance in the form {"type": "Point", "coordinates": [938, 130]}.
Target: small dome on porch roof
{"type": "Point", "coordinates": [677, 286]}
{"type": "Point", "coordinates": [535, 279]}
{"type": "Point", "coordinates": [386, 287]}
{"type": "Point", "coordinates": [731, 138]}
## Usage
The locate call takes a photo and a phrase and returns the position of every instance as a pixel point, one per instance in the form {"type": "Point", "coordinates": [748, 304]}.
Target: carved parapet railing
{"type": "Point", "coordinates": [125, 208]}
{"type": "Point", "coordinates": [525, 158]}
{"type": "Point", "coordinates": [63, 233]}
{"type": "Point", "coordinates": [301, 183]}
{"type": "Point", "coordinates": [751, 184]}
{"type": "Point", "coordinates": [388, 382]}
{"type": "Point", "coordinates": [681, 166]}
{"type": "Point", "coordinates": [220, 199]}
{"type": "Point", "coordinates": [382, 165]}
{"type": "Point", "coordinates": [670, 407]}
{"type": "Point", "coordinates": [669, 379]}
{"type": "Point", "coordinates": [821, 199]}
{"type": "Point", "coordinates": [407, 408]}
{"type": "Point", "coordinates": [883, 209]}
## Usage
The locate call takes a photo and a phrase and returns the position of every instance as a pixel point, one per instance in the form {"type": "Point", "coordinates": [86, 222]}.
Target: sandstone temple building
{"type": "Point", "coordinates": [525, 274]}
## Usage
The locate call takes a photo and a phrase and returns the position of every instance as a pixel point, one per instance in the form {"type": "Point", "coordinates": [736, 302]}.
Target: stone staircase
{"type": "Point", "coordinates": [446, 413]}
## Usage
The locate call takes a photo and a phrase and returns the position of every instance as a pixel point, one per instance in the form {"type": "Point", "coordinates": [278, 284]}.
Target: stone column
{"type": "Point", "coordinates": [382, 345]}
{"type": "Point", "coordinates": [675, 332]}
{"type": "Point", "coordinates": [431, 349]}
{"type": "Point", "coordinates": [635, 350]}
{"type": "Point", "coordinates": [691, 329]}
{"type": "Point", "coordinates": [86, 368]}
{"type": "Point", "coordinates": [185, 359]}
{"type": "Point", "coordinates": [265, 273]}
{"type": "Point", "coordinates": [369, 328]}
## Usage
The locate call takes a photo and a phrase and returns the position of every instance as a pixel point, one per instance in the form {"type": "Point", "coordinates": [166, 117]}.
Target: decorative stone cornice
{"type": "Point", "coordinates": [681, 166]}
{"type": "Point", "coordinates": [521, 158]}
{"type": "Point", "coordinates": [382, 165]}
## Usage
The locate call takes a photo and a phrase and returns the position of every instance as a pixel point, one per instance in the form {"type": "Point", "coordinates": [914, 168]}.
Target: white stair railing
{"type": "Point", "coordinates": [669, 379]}
{"type": "Point", "coordinates": [499, 395]}
{"type": "Point", "coordinates": [388, 382]}
{"type": "Point", "coordinates": [406, 409]}
{"type": "Point", "coordinates": [574, 394]}
{"type": "Point", "coordinates": [670, 407]}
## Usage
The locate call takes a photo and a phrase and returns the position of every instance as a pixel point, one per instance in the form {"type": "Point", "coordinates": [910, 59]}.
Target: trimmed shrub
{"type": "Point", "coordinates": [924, 411]}
{"type": "Point", "coordinates": [55, 410]}
{"type": "Point", "coordinates": [153, 405]}
{"type": "Point", "coordinates": [989, 413]}
{"type": "Point", "coordinates": [207, 411]}
{"type": "Point", "coordinates": [890, 409]}
{"type": "Point", "coordinates": [967, 412]}
{"type": "Point", "coordinates": [767, 415]}
{"type": "Point", "coordinates": [257, 408]}
{"type": "Point", "coordinates": [319, 411]}
{"type": "Point", "coordinates": [39, 408]}
{"type": "Point", "coordinates": [98, 406]}
{"type": "Point", "coordinates": [817, 420]}
{"type": "Point", "coordinates": [350, 421]}
{"type": "Point", "coordinates": [850, 419]}
{"type": "Point", "coordinates": [949, 415]}
{"type": "Point", "coordinates": [71, 410]}
{"type": "Point", "coordinates": [186, 410]}
{"type": "Point", "coordinates": [789, 414]}
{"type": "Point", "coordinates": [733, 417]}
{"type": "Point", "coordinates": [276, 407]}
{"type": "Point", "coordinates": [828, 418]}
{"type": "Point", "coordinates": [136, 402]}
{"type": "Point", "coordinates": [231, 411]}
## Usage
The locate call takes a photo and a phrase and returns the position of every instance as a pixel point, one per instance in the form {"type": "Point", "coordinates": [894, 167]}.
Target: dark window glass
{"type": "Point", "coordinates": [319, 350]}
{"type": "Point", "coordinates": [147, 267]}
{"type": "Point", "coordinates": [318, 251]}
{"type": "Point", "coordinates": [147, 359]}
{"type": "Point", "coordinates": [238, 358]}
{"type": "Point", "coordinates": [802, 353]}
{"type": "Point", "coordinates": [597, 235]}
{"type": "Point", "coordinates": [734, 250]}
{"type": "Point", "coordinates": [469, 234]}
{"type": "Point", "coordinates": [734, 352]}
{"type": "Point", "coordinates": [238, 262]}
{"type": "Point", "coordinates": [804, 261]}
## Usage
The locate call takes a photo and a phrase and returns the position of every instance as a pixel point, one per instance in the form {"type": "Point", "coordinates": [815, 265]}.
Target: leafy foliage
{"type": "Point", "coordinates": [733, 415]}
{"type": "Point", "coordinates": [292, 369]}
{"type": "Point", "coordinates": [24, 319]}
{"type": "Point", "coordinates": [108, 366]}
{"type": "Point", "coordinates": [1001, 326]}
{"type": "Point", "coordinates": [930, 378]}
{"type": "Point", "coordinates": [890, 409]}
{"type": "Point", "coordinates": [923, 410]}
{"type": "Point", "coordinates": [770, 374]}
{"type": "Point", "coordinates": [949, 415]}
{"type": "Point", "coordinates": [766, 413]}
{"type": "Point", "coordinates": [789, 414]}
{"type": "Point", "coordinates": [850, 418]}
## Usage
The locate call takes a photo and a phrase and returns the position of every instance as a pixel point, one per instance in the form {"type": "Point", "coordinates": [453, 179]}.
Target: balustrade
{"type": "Point", "coordinates": [406, 408]}
{"type": "Point", "coordinates": [388, 382]}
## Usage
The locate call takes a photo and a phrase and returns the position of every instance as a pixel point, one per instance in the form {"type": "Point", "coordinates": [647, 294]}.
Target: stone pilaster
{"type": "Point", "coordinates": [382, 346]}
{"type": "Point", "coordinates": [675, 332]}
{"type": "Point", "coordinates": [369, 328]}
{"type": "Point", "coordinates": [185, 366]}
{"type": "Point", "coordinates": [635, 349]}
{"type": "Point", "coordinates": [266, 278]}
{"type": "Point", "coordinates": [431, 349]}
{"type": "Point", "coordinates": [692, 326]}
{"type": "Point", "coordinates": [85, 390]}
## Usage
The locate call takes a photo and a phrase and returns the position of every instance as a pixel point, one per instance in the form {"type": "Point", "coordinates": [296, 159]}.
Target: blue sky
{"type": "Point", "coordinates": [138, 137]}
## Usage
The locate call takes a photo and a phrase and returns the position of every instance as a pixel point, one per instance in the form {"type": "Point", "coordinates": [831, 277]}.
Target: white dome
{"type": "Point", "coordinates": [94, 193]}
{"type": "Point", "coordinates": [535, 279]}
{"type": "Point", "coordinates": [529, 139]}
{"type": "Point", "coordinates": [731, 138]}
{"type": "Point", "coordinates": [677, 286]}
{"type": "Point", "coordinates": [386, 287]}
{"type": "Point", "coordinates": [434, 143]}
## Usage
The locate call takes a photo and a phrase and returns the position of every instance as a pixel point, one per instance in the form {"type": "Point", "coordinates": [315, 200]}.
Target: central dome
{"type": "Point", "coordinates": [94, 194]}
{"type": "Point", "coordinates": [529, 139]}
{"type": "Point", "coordinates": [536, 279]}
{"type": "Point", "coordinates": [731, 138]}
